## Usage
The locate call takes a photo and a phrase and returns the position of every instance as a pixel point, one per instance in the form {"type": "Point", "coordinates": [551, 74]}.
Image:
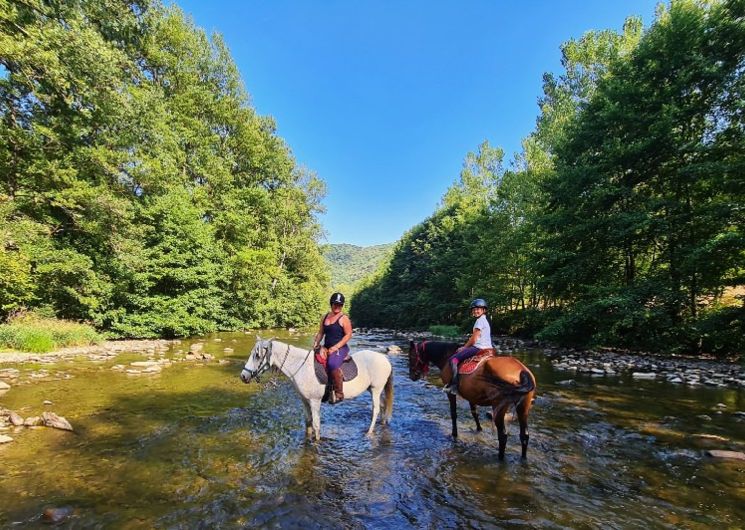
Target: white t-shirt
{"type": "Point", "coordinates": [485, 337]}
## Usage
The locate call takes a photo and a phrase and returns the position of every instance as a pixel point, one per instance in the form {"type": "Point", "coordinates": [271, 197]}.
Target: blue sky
{"type": "Point", "coordinates": [384, 99]}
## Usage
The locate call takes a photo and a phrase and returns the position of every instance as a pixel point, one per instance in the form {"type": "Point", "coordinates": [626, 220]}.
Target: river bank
{"type": "Point", "coordinates": [109, 348]}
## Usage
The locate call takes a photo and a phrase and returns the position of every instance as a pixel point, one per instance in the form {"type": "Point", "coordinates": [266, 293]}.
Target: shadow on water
{"type": "Point", "coordinates": [194, 447]}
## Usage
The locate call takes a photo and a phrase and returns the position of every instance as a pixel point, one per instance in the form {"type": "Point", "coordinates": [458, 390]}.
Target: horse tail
{"type": "Point", "coordinates": [510, 391]}
{"type": "Point", "coordinates": [388, 406]}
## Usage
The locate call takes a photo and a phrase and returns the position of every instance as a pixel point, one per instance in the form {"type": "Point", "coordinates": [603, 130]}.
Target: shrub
{"type": "Point", "coordinates": [36, 334]}
{"type": "Point", "coordinates": [450, 332]}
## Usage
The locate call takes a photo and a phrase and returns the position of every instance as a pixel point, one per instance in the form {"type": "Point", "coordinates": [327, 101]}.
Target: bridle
{"type": "Point", "coordinates": [266, 362]}
{"type": "Point", "coordinates": [421, 363]}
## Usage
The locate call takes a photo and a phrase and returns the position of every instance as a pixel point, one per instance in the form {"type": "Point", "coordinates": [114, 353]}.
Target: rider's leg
{"type": "Point", "coordinates": [465, 353]}
{"type": "Point", "coordinates": [336, 377]}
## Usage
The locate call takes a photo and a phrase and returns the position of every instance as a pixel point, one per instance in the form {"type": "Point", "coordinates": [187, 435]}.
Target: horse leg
{"type": "Point", "coordinates": [475, 414]}
{"type": "Point", "coordinates": [522, 415]}
{"type": "Point", "coordinates": [315, 411]}
{"type": "Point", "coordinates": [453, 415]}
{"type": "Point", "coordinates": [375, 409]}
{"type": "Point", "coordinates": [308, 419]}
{"type": "Point", "coordinates": [498, 415]}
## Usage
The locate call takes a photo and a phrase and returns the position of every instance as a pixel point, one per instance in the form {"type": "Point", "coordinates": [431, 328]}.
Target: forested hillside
{"type": "Point", "coordinates": [350, 263]}
{"type": "Point", "coordinates": [621, 221]}
{"type": "Point", "coordinates": [139, 189]}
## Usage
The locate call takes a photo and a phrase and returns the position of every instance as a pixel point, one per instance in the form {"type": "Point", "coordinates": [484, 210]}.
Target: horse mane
{"type": "Point", "coordinates": [437, 349]}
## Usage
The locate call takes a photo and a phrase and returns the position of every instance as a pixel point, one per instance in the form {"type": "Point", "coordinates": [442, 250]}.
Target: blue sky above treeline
{"type": "Point", "coordinates": [383, 99]}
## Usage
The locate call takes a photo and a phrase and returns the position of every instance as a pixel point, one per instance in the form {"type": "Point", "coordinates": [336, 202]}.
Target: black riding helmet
{"type": "Point", "coordinates": [478, 302]}
{"type": "Point", "coordinates": [336, 298]}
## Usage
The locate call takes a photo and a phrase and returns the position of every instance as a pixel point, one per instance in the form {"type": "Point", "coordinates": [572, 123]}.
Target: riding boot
{"type": "Point", "coordinates": [338, 380]}
{"type": "Point", "coordinates": [452, 388]}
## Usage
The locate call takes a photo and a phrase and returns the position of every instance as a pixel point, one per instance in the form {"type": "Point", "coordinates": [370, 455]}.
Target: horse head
{"type": "Point", "coordinates": [418, 363]}
{"type": "Point", "coordinates": [258, 361]}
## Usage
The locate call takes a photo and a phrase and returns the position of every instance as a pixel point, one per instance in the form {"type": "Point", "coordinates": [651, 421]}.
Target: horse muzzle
{"type": "Point", "coordinates": [247, 375]}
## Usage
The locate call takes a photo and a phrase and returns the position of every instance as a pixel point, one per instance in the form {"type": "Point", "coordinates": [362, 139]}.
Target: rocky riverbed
{"type": "Point", "coordinates": [677, 370]}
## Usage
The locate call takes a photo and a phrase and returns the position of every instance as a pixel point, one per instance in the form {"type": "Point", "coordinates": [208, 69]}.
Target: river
{"type": "Point", "coordinates": [194, 447]}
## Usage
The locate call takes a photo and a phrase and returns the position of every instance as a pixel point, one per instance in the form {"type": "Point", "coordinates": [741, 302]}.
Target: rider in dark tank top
{"type": "Point", "coordinates": [336, 330]}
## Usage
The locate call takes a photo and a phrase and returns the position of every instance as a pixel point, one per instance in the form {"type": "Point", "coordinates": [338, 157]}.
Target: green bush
{"type": "Point", "coordinates": [451, 332]}
{"type": "Point", "coordinates": [40, 335]}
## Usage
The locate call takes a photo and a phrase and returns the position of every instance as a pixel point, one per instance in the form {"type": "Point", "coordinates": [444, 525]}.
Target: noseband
{"type": "Point", "coordinates": [421, 362]}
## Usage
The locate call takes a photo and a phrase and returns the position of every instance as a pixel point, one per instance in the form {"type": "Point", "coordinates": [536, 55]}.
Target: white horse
{"type": "Point", "coordinates": [374, 373]}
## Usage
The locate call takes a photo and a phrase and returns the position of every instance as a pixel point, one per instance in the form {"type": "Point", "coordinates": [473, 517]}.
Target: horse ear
{"type": "Point", "coordinates": [258, 338]}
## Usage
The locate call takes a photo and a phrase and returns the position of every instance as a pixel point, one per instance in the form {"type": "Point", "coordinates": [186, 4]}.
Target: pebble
{"type": "Point", "coordinates": [644, 375]}
{"type": "Point", "coordinates": [228, 350]}
{"type": "Point", "coordinates": [47, 402]}
{"type": "Point", "coordinates": [5, 439]}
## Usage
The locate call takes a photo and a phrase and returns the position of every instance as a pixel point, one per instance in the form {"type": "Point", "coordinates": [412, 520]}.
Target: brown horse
{"type": "Point", "coordinates": [498, 382]}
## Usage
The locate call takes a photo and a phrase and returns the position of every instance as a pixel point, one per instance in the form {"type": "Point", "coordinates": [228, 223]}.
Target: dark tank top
{"type": "Point", "coordinates": [333, 333]}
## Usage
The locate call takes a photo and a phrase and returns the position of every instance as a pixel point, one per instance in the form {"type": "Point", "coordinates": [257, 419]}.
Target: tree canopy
{"type": "Point", "coordinates": [621, 221]}
{"type": "Point", "coordinates": [139, 189]}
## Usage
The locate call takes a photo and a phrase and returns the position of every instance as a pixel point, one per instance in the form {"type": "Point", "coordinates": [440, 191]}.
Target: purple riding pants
{"type": "Point", "coordinates": [335, 359]}
{"type": "Point", "coordinates": [466, 353]}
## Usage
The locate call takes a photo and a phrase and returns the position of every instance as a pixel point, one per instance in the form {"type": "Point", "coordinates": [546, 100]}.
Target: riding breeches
{"type": "Point", "coordinates": [335, 359]}
{"type": "Point", "coordinates": [466, 353]}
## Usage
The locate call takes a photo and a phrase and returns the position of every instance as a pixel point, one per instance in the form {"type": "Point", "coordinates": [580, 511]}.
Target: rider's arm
{"type": "Point", "coordinates": [347, 326]}
{"type": "Point", "coordinates": [472, 339]}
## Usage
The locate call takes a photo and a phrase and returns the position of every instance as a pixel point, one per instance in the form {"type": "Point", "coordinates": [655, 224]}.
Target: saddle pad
{"type": "Point", "coordinates": [348, 369]}
{"type": "Point", "coordinates": [470, 365]}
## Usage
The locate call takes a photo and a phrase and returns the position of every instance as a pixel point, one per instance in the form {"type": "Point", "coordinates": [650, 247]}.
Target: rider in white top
{"type": "Point", "coordinates": [480, 339]}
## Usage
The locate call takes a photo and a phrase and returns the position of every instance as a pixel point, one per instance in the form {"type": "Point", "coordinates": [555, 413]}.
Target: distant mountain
{"type": "Point", "coordinates": [350, 263]}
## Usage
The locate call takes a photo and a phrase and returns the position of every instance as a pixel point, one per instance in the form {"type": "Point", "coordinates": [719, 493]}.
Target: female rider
{"type": "Point", "coordinates": [480, 339]}
{"type": "Point", "coordinates": [336, 329]}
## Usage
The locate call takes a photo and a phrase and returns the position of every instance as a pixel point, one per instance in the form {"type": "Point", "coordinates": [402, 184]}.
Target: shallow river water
{"type": "Point", "coordinates": [193, 447]}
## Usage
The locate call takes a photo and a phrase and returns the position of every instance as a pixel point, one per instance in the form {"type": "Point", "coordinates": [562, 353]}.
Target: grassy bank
{"type": "Point", "coordinates": [40, 335]}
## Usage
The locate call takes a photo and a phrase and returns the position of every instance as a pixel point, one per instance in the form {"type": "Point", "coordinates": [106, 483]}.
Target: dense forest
{"type": "Point", "coordinates": [621, 221]}
{"type": "Point", "coordinates": [139, 189]}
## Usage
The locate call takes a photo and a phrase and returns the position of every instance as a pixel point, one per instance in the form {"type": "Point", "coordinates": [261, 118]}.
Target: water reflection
{"type": "Point", "coordinates": [193, 446]}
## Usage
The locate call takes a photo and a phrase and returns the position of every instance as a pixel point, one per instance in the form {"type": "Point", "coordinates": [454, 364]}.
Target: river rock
{"type": "Point", "coordinates": [15, 419]}
{"type": "Point", "coordinates": [218, 340]}
{"type": "Point", "coordinates": [4, 385]}
{"type": "Point", "coordinates": [567, 382]}
{"type": "Point", "coordinates": [50, 419]}
{"type": "Point", "coordinates": [144, 364]}
{"type": "Point", "coordinates": [5, 439]}
{"type": "Point", "coordinates": [33, 421]}
{"type": "Point", "coordinates": [154, 369]}
{"type": "Point", "coordinates": [394, 349]}
{"type": "Point", "coordinates": [47, 402]}
{"type": "Point", "coordinates": [196, 347]}
{"type": "Point", "coordinates": [718, 453]}
{"type": "Point", "coordinates": [644, 375]}
{"type": "Point", "coordinates": [228, 350]}
{"type": "Point", "coordinates": [56, 515]}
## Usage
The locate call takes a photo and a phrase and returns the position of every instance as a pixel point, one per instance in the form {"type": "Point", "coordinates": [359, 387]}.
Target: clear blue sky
{"type": "Point", "coordinates": [383, 99]}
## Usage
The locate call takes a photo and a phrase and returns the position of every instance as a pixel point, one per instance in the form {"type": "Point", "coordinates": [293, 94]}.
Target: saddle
{"type": "Point", "coordinates": [470, 365]}
{"type": "Point", "coordinates": [348, 369]}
